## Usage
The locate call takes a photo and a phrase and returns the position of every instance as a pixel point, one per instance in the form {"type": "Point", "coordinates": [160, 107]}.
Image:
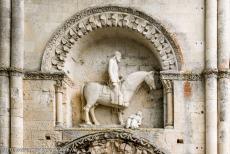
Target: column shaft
{"type": "Point", "coordinates": [16, 78]}
{"type": "Point", "coordinates": [211, 113]}
{"type": "Point", "coordinates": [5, 14]}
{"type": "Point", "coordinates": [59, 107]}
{"type": "Point", "coordinates": [16, 105]}
{"type": "Point", "coordinates": [169, 121]}
{"type": "Point", "coordinates": [168, 89]}
{"type": "Point", "coordinates": [210, 76]}
{"type": "Point", "coordinates": [223, 81]}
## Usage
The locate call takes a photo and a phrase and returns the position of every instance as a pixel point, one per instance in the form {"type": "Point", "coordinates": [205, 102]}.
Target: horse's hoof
{"type": "Point", "coordinates": [97, 123]}
{"type": "Point", "coordinates": [88, 123]}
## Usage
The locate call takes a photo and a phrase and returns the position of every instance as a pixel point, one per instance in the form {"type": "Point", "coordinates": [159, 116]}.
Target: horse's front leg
{"type": "Point", "coordinates": [93, 116]}
{"type": "Point", "coordinates": [86, 116]}
{"type": "Point", "coordinates": [120, 117]}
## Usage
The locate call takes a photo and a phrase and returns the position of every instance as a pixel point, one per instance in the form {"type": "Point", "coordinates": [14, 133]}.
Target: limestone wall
{"type": "Point", "coordinates": [39, 114]}
{"type": "Point", "coordinates": [185, 21]}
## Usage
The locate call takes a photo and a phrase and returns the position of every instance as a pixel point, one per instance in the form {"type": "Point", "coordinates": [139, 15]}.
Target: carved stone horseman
{"type": "Point", "coordinates": [114, 78]}
{"type": "Point", "coordinates": [117, 97]}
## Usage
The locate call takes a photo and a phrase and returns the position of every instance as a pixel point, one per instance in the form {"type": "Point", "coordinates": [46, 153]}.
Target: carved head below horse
{"type": "Point", "coordinates": [94, 93]}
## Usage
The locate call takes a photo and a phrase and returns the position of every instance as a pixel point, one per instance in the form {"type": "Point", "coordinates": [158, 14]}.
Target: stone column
{"type": "Point", "coordinates": [59, 107]}
{"type": "Point", "coordinates": [5, 14]}
{"type": "Point", "coordinates": [211, 111]}
{"type": "Point", "coordinates": [168, 89]}
{"type": "Point", "coordinates": [211, 76]}
{"type": "Point", "coordinates": [16, 76]}
{"type": "Point", "coordinates": [223, 81]}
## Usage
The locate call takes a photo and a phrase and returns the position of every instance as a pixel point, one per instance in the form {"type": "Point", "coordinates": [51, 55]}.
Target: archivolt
{"type": "Point", "coordinates": [110, 16]}
{"type": "Point", "coordinates": [109, 142]}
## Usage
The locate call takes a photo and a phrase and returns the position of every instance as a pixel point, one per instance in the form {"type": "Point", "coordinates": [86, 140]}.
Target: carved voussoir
{"type": "Point", "coordinates": [103, 142]}
{"type": "Point", "coordinates": [111, 16]}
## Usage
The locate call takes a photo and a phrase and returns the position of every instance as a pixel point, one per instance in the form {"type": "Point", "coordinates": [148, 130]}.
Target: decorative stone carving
{"type": "Point", "coordinates": [224, 73]}
{"type": "Point", "coordinates": [168, 86]}
{"type": "Point", "coordinates": [168, 89]}
{"type": "Point", "coordinates": [114, 78]}
{"type": "Point", "coordinates": [110, 16]}
{"type": "Point", "coordinates": [134, 120]}
{"type": "Point", "coordinates": [208, 73]}
{"type": "Point", "coordinates": [181, 76]}
{"type": "Point", "coordinates": [109, 142]}
{"type": "Point", "coordinates": [58, 76]}
{"type": "Point", "coordinates": [94, 93]}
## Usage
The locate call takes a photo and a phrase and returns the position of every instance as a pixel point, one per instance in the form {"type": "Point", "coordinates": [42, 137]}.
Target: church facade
{"type": "Point", "coordinates": [122, 76]}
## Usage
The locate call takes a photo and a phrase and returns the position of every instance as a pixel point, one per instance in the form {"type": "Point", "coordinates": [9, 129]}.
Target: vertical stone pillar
{"type": "Point", "coordinates": [16, 76]}
{"type": "Point", "coordinates": [211, 76]}
{"type": "Point", "coordinates": [168, 89]}
{"type": "Point", "coordinates": [59, 107]}
{"type": "Point", "coordinates": [223, 81]}
{"type": "Point", "coordinates": [211, 111]}
{"type": "Point", "coordinates": [5, 15]}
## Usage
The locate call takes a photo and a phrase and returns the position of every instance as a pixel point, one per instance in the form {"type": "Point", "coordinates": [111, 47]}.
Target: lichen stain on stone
{"type": "Point", "coordinates": [187, 89]}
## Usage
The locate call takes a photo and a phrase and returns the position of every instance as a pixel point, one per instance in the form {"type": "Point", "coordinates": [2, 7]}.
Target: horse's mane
{"type": "Point", "coordinates": [131, 78]}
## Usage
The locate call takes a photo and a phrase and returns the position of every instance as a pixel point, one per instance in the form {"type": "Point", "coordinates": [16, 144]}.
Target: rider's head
{"type": "Point", "coordinates": [118, 56]}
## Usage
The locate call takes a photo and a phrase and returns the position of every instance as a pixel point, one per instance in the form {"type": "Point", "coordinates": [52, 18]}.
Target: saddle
{"type": "Point", "coordinates": [107, 91]}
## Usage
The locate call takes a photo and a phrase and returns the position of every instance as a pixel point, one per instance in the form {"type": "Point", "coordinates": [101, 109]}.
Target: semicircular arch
{"type": "Point", "coordinates": [88, 20]}
{"type": "Point", "coordinates": [109, 141]}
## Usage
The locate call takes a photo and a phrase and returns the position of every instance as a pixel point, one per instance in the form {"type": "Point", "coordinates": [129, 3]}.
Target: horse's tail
{"type": "Point", "coordinates": [83, 101]}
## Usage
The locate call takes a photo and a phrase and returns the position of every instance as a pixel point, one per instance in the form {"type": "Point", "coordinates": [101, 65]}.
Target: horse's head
{"type": "Point", "coordinates": [150, 81]}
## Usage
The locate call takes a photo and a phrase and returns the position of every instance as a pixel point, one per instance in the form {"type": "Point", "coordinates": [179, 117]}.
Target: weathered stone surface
{"type": "Point", "coordinates": [57, 47]}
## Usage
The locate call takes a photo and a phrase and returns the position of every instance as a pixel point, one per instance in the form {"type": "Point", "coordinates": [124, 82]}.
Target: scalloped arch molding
{"type": "Point", "coordinates": [101, 140]}
{"type": "Point", "coordinates": [91, 19]}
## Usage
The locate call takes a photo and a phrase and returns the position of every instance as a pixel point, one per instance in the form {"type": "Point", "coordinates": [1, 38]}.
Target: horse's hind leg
{"type": "Point", "coordinates": [86, 112]}
{"type": "Point", "coordinates": [93, 116]}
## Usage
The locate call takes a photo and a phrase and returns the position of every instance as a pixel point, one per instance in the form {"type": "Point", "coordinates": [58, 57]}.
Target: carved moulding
{"type": "Point", "coordinates": [110, 16]}
{"type": "Point", "coordinates": [168, 75]}
{"type": "Point", "coordinates": [12, 71]}
{"type": "Point", "coordinates": [224, 73]}
{"type": "Point", "coordinates": [59, 77]}
{"type": "Point", "coordinates": [109, 142]}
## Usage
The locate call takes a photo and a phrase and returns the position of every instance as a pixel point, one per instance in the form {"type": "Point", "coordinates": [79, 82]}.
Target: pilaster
{"type": "Point", "coordinates": [223, 81]}
{"type": "Point", "coordinates": [5, 18]}
{"type": "Point", "coordinates": [16, 74]}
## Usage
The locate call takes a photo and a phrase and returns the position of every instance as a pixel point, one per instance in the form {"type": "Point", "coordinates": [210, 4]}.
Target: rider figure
{"type": "Point", "coordinates": [114, 77]}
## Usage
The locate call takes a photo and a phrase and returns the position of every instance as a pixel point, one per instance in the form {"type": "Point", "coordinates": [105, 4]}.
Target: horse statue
{"type": "Point", "coordinates": [94, 93]}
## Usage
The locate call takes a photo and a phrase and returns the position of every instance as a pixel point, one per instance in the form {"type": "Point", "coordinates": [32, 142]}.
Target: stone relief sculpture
{"type": "Point", "coordinates": [114, 77]}
{"type": "Point", "coordinates": [134, 120]}
{"type": "Point", "coordinates": [118, 96]}
{"type": "Point", "coordinates": [115, 142]}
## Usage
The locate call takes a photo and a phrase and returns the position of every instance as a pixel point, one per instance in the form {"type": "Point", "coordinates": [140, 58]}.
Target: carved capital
{"type": "Point", "coordinates": [49, 76]}
{"type": "Point", "coordinates": [59, 86]}
{"type": "Point", "coordinates": [168, 85]}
